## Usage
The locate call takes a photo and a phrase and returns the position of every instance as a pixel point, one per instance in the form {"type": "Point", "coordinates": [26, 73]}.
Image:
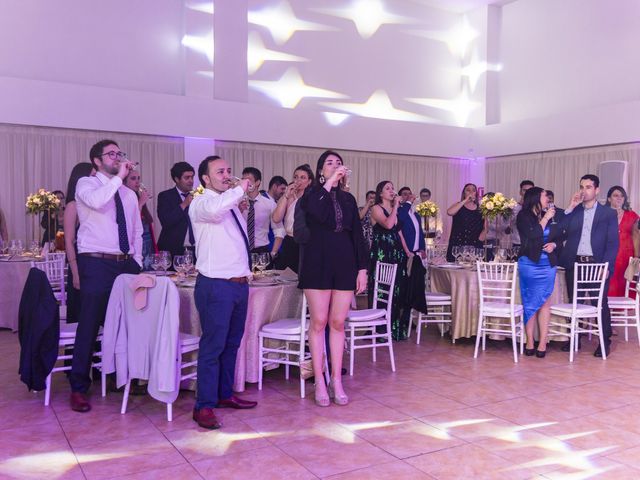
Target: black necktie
{"type": "Point", "coordinates": [251, 224]}
{"type": "Point", "coordinates": [192, 238]}
{"type": "Point", "coordinates": [244, 237]}
{"type": "Point", "coordinates": [123, 238]}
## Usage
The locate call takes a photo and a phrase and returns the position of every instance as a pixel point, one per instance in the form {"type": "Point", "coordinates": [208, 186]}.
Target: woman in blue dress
{"type": "Point", "coordinates": [537, 265]}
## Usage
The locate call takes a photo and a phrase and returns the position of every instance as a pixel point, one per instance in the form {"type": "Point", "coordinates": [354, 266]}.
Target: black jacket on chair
{"type": "Point", "coordinates": [532, 237]}
{"type": "Point", "coordinates": [38, 330]}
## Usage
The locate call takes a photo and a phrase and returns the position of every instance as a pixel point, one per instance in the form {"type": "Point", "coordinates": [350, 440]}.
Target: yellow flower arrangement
{"type": "Point", "coordinates": [42, 201]}
{"type": "Point", "coordinates": [495, 205]}
{"type": "Point", "coordinates": [427, 209]}
{"type": "Point", "coordinates": [199, 190]}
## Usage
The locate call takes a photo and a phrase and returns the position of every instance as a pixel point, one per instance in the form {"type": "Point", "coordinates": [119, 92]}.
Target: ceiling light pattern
{"type": "Point", "coordinates": [282, 22]}
{"type": "Point", "coordinates": [290, 89]}
{"type": "Point", "coordinates": [367, 15]}
{"type": "Point", "coordinates": [460, 107]}
{"type": "Point", "coordinates": [378, 106]}
{"type": "Point", "coordinates": [335, 119]}
{"type": "Point", "coordinates": [204, 7]}
{"type": "Point", "coordinates": [201, 44]}
{"type": "Point", "coordinates": [257, 54]}
{"type": "Point", "coordinates": [476, 68]}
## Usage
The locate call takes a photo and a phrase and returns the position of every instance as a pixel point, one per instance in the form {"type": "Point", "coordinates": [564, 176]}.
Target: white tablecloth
{"type": "Point", "coordinates": [13, 276]}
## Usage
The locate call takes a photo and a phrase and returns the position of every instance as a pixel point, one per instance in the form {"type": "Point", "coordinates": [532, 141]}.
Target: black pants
{"type": "Point", "coordinates": [96, 281]}
{"type": "Point", "coordinates": [606, 313]}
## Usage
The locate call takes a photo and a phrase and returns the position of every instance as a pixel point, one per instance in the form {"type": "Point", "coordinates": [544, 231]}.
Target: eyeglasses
{"type": "Point", "coordinates": [113, 155]}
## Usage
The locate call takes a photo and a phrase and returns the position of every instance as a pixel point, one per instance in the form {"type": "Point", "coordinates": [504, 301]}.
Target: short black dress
{"type": "Point", "coordinates": [336, 249]}
{"type": "Point", "coordinates": [465, 230]}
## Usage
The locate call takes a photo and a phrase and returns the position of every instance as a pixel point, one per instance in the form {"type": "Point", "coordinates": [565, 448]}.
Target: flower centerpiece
{"type": "Point", "coordinates": [427, 209]}
{"type": "Point", "coordinates": [44, 203]}
{"type": "Point", "coordinates": [496, 205]}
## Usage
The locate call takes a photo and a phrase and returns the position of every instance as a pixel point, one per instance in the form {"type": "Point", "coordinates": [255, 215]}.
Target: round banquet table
{"type": "Point", "coordinates": [462, 285]}
{"type": "Point", "coordinates": [14, 273]}
{"type": "Point", "coordinates": [267, 303]}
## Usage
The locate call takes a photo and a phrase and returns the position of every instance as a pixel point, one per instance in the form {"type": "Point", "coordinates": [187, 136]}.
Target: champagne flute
{"type": "Point", "coordinates": [347, 177]}
{"type": "Point", "coordinates": [553, 219]}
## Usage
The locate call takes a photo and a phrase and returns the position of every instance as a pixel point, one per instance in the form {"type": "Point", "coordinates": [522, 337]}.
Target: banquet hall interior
{"type": "Point", "coordinates": [424, 93]}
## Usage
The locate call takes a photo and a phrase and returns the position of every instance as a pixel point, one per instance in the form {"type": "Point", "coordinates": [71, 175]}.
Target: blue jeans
{"type": "Point", "coordinates": [222, 306]}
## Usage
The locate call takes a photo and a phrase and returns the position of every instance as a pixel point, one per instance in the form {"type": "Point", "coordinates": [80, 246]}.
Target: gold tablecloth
{"type": "Point", "coordinates": [266, 304]}
{"type": "Point", "coordinates": [13, 276]}
{"type": "Point", "coordinates": [462, 285]}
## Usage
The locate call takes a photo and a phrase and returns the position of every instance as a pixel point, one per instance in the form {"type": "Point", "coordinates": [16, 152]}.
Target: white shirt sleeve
{"type": "Point", "coordinates": [96, 195]}
{"type": "Point", "coordinates": [212, 208]}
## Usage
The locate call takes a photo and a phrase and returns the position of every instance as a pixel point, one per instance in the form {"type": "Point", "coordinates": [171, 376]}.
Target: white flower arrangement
{"type": "Point", "coordinates": [493, 206]}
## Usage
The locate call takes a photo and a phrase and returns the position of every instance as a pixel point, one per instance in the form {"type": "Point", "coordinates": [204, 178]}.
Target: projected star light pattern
{"type": "Point", "coordinates": [290, 89]}
{"type": "Point", "coordinates": [378, 106]}
{"type": "Point", "coordinates": [282, 22]}
{"type": "Point", "coordinates": [257, 54]}
{"type": "Point", "coordinates": [202, 44]}
{"type": "Point", "coordinates": [460, 107]}
{"type": "Point", "coordinates": [367, 15]}
{"type": "Point", "coordinates": [204, 7]}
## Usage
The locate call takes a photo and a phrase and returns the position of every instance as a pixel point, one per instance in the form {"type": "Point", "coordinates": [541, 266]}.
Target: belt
{"type": "Point", "coordinates": [109, 256]}
{"type": "Point", "coordinates": [585, 259]}
{"type": "Point", "coordinates": [238, 280]}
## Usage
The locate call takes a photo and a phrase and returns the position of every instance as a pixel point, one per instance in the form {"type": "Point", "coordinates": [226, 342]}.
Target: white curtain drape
{"type": "Point", "coordinates": [443, 176]}
{"type": "Point", "coordinates": [38, 157]}
{"type": "Point", "coordinates": [560, 171]}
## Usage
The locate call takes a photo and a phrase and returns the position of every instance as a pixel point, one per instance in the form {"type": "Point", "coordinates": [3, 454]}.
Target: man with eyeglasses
{"type": "Point", "coordinates": [173, 211]}
{"type": "Point", "coordinates": [109, 244]}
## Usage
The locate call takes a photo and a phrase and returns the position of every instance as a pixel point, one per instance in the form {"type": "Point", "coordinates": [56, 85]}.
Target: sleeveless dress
{"type": "Point", "coordinates": [386, 247]}
{"type": "Point", "coordinates": [617, 283]}
{"type": "Point", "coordinates": [465, 230]}
{"type": "Point", "coordinates": [536, 281]}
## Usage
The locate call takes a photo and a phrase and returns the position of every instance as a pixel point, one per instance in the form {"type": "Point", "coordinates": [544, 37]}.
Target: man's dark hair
{"type": "Point", "coordinates": [178, 170]}
{"type": "Point", "coordinates": [370, 192]}
{"type": "Point", "coordinates": [203, 168]}
{"type": "Point", "coordinates": [550, 194]}
{"type": "Point", "coordinates": [97, 150]}
{"type": "Point", "coordinates": [403, 189]}
{"type": "Point", "coordinates": [277, 180]}
{"type": "Point", "coordinates": [425, 190]}
{"type": "Point", "coordinates": [254, 172]}
{"type": "Point", "coordinates": [527, 182]}
{"type": "Point", "coordinates": [593, 178]}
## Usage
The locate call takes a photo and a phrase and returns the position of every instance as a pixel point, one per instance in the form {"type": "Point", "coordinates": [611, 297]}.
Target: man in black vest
{"type": "Point", "coordinates": [173, 211]}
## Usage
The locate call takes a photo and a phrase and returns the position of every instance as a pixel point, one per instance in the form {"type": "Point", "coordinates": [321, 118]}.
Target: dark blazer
{"type": "Point", "coordinates": [174, 220]}
{"type": "Point", "coordinates": [532, 237]}
{"type": "Point", "coordinates": [604, 236]}
{"type": "Point", "coordinates": [38, 330]}
{"type": "Point", "coordinates": [409, 232]}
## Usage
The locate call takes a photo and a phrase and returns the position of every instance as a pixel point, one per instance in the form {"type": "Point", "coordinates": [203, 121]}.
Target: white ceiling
{"type": "Point", "coordinates": [461, 6]}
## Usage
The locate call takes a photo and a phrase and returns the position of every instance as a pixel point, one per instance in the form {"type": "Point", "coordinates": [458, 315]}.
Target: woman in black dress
{"type": "Point", "coordinates": [335, 264]}
{"type": "Point", "coordinates": [388, 246]}
{"type": "Point", "coordinates": [468, 226]}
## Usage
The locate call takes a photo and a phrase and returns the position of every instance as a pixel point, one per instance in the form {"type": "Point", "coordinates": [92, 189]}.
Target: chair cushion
{"type": "Point", "coordinates": [366, 314]}
{"type": "Point", "coordinates": [501, 309]}
{"type": "Point", "coordinates": [188, 339]}
{"type": "Point", "coordinates": [437, 297]}
{"type": "Point", "coordinates": [567, 309]}
{"type": "Point", "coordinates": [286, 326]}
{"type": "Point", "coordinates": [621, 301]}
{"type": "Point", "coordinates": [68, 330]}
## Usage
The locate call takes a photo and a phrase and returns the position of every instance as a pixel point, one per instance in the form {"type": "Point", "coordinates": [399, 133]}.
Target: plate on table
{"type": "Point", "coordinates": [450, 266]}
{"type": "Point", "coordinates": [159, 273]}
{"type": "Point", "coordinates": [263, 281]}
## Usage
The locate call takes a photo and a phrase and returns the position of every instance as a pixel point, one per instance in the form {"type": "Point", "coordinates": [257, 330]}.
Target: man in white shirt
{"type": "Point", "coordinates": [109, 244]}
{"type": "Point", "coordinates": [257, 213]}
{"type": "Point", "coordinates": [222, 290]}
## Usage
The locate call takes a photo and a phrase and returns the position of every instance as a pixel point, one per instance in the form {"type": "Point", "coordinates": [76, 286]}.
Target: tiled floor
{"type": "Point", "coordinates": [442, 415]}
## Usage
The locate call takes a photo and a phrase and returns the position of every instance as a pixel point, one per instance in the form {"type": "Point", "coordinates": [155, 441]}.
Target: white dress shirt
{"type": "Point", "coordinates": [289, 217]}
{"type": "Point", "coordinates": [264, 208]}
{"type": "Point", "coordinates": [96, 205]}
{"type": "Point", "coordinates": [221, 250]}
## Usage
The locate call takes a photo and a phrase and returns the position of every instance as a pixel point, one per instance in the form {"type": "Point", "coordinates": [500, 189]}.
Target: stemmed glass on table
{"type": "Point", "coordinates": [179, 266]}
{"type": "Point", "coordinates": [260, 261]}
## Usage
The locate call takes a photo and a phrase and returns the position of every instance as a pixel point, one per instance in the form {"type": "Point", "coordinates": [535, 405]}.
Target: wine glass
{"type": "Point", "coordinates": [263, 261]}
{"type": "Point", "coordinates": [553, 220]}
{"type": "Point", "coordinates": [178, 265]}
{"type": "Point", "coordinates": [188, 261]}
{"type": "Point", "coordinates": [455, 251]}
{"type": "Point", "coordinates": [156, 262]}
{"type": "Point", "coordinates": [165, 260]}
{"type": "Point", "coordinates": [34, 248]}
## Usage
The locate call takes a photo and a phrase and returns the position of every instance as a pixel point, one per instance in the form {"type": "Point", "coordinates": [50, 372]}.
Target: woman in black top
{"type": "Point", "coordinates": [335, 264]}
{"type": "Point", "coordinates": [468, 226]}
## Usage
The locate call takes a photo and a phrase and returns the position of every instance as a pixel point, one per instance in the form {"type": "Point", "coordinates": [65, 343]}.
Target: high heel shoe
{"type": "Point", "coordinates": [341, 400]}
{"type": "Point", "coordinates": [322, 400]}
{"type": "Point", "coordinates": [540, 354]}
{"type": "Point", "coordinates": [529, 352]}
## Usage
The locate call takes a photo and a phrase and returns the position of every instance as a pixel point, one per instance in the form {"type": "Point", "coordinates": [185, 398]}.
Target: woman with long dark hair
{"type": "Point", "coordinates": [629, 238]}
{"type": "Point", "coordinates": [468, 225]}
{"type": "Point", "coordinates": [84, 169]}
{"type": "Point", "coordinates": [149, 245]}
{"type": "Point", "coordinates": [537, 264]}
{"type": "Point", "coordinates": [388, 246]}
{"type": "Point", "coordinates": [289, 255]}
{"type": "Point", "coordinates": [335, 265]}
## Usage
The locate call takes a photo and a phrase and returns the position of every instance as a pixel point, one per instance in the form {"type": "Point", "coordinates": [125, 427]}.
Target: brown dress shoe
{"type": "Point", "coordinates": [206, 418]}
{"type": "Point", "coordinates": [237, 403]}
{"type": "Point", "coordinates": [79, 402]}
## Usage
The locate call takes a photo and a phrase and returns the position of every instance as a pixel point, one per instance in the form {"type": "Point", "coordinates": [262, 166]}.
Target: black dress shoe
{"type": "Point", "coordinates": [567, 346]}
{"type": "Point", "coordinates": [529, 352]}
{"type": "Point", "coordinates": [237, 403]}
{"type": "Point", "coordinates": [598, 352]}
{"type": "Point", "coordinates": [540, 354]}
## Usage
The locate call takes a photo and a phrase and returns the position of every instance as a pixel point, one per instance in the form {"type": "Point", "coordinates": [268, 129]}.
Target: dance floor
{"type": "Point", "coordinates": [442, 415]}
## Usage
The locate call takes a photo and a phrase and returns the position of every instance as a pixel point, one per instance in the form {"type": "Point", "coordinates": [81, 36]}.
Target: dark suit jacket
{"type": "Point", "coordinates": [532, 237]}
{"type": "Point", "coordinates": [604, 236]}
{"type": "Point", "coordinates": [175, 222]}
{"type": "Point", "coordinates": [408, 230]}
{"type": "Point", "coordinates": [38, 330]}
